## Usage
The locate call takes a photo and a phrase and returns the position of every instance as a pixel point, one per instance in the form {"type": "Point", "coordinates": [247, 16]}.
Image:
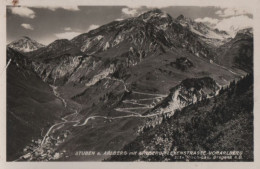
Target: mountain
{"type": "Point", "coordinates": [209, 125]}
{"type": "Point", "coordinates": [31, 105]}
{"type": "Point", "coordinates": [189, 91]}
{"type": "Point", "coordinates": [55, 49]}
{"type": "Point", "coordinates": [119, 44]}
{"type": "Point", "coordinates": [152, 31]}
{"type": "Point", "coordinates": [25, 44]}
{"type": "Point", "coordinates": [207, 34]}
{"type": "Point", "coordinates": [121, 77]}
{"type": "Point", "coordinates": [238, 52]}
{"type": "Point", "coordinates": [234, 53]}
{"type": "Point", "coordinates": [246, 31]}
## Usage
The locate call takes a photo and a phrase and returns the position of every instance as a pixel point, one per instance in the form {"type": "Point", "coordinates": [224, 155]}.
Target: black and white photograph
{"type": "Point", "coordinates": [119, 83]}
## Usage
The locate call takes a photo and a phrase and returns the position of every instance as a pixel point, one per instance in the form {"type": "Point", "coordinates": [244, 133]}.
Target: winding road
{"type": "Point", "coordinates": [80, 123]}
{"type": "Point", "coordinates": [128, 110]}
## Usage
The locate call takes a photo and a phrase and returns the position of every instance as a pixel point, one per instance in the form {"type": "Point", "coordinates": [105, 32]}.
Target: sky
{"type": "Point", "coordinates": [46, 24]}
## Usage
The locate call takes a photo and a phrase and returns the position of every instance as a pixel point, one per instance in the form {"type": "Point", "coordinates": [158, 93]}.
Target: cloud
{"type": "Point", "coordinates": [228, 12]}
{"type": "Point", "coordinates": [211, 21]}
{"type": "Point", "coordinates": [93, 26]}
{"type": "Point", "coordinates": [235, 23]}
{"type": "Point", "coordinates": [231, 20]}
{"type": "Point", "coordinates": [27, 26]}
{"type": "Point", "coordinates": [23, 12]}
{"type": "Point", "coordinates": [67, 35]}
{"type": "Point", "coordinates": [67, 29]}
{"type": "Point", "coordinates": [69, 8]}
{"type": "Point", "coordinates": [129, 11]}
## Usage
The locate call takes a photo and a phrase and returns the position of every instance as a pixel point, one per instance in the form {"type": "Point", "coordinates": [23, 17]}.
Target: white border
{"type": "Point", "coordinates": [252, 4]}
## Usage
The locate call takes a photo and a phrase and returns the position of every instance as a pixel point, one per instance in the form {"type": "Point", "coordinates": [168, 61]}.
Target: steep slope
{"type": "Point", "coordinates": [209, 35]}
{"type": "Point", "coordinates": [150, 31]}
{"type": "Point", "coordinates": [55, 49]}
{"type": "Point", "coordinates": [25, 44]}
{"type": "Point", "coordinates": [238, 52]}
{"type": "Point", "coordinates": [112, 79]}
{"type": "Point", "coordinates": [189, 91]}
{"type": "Point", "coordinates": [118, 115]}
{"type": "Point", "coordinates": [221, 123]}
{"type": "Point", "coordinates": [31, 105]}
{"type": "Point", "coordinates": [57, 61]}
{"type": "Point", "coordinates": [120, 45]}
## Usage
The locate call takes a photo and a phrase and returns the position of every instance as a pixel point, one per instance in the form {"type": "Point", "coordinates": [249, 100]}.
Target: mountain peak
{"type": "Point", "coordinates": [59, 44]}
{"type": "Point", "coordinates": [26, 37]}
{"type": "Point", "coordinates": [25, 44]}
{"type": "Point", "coordinates": [156, 10]}
{"type": "Point", "coordinates": [183, 19]}
{"type": "Point", "coordinates": [245, 32]}
{"type": "Point", "coordinates": [153, 13]}
{"type": "Point", "coordinates": [61, 41]}
{"type": "Point", "coordinates": [204, 31]}
{"type": "Point", "coordinates": [180, 17]}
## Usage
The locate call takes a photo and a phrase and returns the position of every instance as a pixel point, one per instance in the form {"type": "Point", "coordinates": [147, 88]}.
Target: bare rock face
{"type": "Point", "coordinates": [147, 66]}
{"type": "Point", "coordinates": [122, 43]}
{"type": "Point", "coordinates": [188, 92]}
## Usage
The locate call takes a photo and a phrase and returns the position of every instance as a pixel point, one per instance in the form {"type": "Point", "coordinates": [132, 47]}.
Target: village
{"type": "Point", "coordinates": [38, 151]}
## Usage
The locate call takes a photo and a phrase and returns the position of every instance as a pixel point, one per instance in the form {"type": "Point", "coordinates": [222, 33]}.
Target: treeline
{"type": "Point", "coordinates": [238, 87]}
